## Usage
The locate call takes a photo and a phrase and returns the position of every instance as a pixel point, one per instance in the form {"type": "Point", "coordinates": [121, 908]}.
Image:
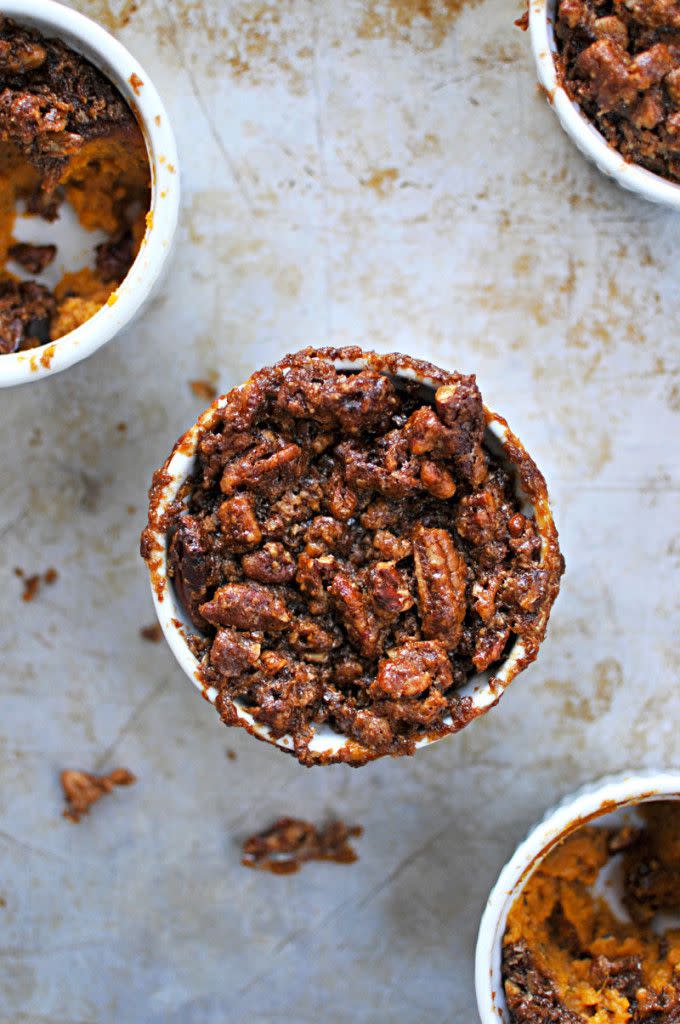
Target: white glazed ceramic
{"type": "Point", "coordinates": [327, 746]}
{"type": "Point", "coordinates": [93, 42]}
{"type": "Point", "coordinates": [591, 143]}
{"type": "Point", "coordinates": [593, 801]}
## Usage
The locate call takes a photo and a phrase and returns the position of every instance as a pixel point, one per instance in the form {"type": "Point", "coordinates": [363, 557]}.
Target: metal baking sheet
{"type": "Point", "coordinates": [385, 173]}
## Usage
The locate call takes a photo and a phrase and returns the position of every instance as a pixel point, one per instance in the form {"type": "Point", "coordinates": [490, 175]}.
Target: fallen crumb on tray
{"type": "Point", "coordinates": [153, 634]}
{"type": "Point", "coordinates": [203, 389]}
{"type": "Point", "coordinates": [33, 583]}
{"type": "Point", "coordinates": [289, 842]}
{"type": "Point", "coordinates": [82, 789]}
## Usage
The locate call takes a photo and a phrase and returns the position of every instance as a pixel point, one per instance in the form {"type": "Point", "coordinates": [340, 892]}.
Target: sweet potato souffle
{"type": "Point", "coordinates": [570, 956]}
{"type": "Point", "coordinates": [66, 135]}
{"type": "Point", "coordinates": [351, 551]}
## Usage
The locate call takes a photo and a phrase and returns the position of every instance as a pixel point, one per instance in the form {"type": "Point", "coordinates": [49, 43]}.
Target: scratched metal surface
{"type": "Point", "coordinates": [352, 172]}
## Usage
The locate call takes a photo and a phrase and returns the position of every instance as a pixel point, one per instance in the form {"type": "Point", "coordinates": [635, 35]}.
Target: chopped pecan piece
{"type": "Point", "coordinates": [264, 470]}
{"type": "Point", "coordinates": [411, 670]}
{"type": "Point", "coordinates": [611, 27]}
{"type": "Point", "coordinates": [340, 499]}
{"type": "Point", "coordinates": [194, 566]}
{"type": "Point", "coordinates": [606, 66]}
{"type": "Point", "coordinates": [358, 618]}
{"type": "Point", "coordinates": [233, 653]}
{"type": "Point", "coordinates": [326, 534]}
{"type": "Point", "coordinates": [437, 480]}
{"type": "Point", "coordinates": [273, 563]}
{"type": "Point", "coordinates": [441, 575]}
{"type": "Point", "coordinates": [459, 407]}
{"type": "Point", "coordinates": [390, 547]}
{"type": "Point", "coordinates": [246, 606]}
{"type": "Point", "coordinates": [238, 520]}
{"type": "Point", "coordinates": [389, 589]}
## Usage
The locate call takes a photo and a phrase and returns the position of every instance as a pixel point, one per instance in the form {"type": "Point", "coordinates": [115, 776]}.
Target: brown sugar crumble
{"type": "Point", "coordinates": [352, 553]}
{"type": "Point", "coordinates": [568, 959]}
{"type": "Point", "coordinates": [82, 789]}
{"type": "Point", "coordinates": [154, 633]}
{"type": "Point", "coordinates": [620, 61]}
{"type": "Point", "coordinates": [66, 134]}
{"type": "Point", "coordinates": [290, 842]}
{"type": "Point", "coordinates": [33, 583]}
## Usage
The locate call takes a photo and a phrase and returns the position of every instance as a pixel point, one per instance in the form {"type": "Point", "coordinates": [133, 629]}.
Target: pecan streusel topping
{"type": "Point", "coordinates": [352, 553]}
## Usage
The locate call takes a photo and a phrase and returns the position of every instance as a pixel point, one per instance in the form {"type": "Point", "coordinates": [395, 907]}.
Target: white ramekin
{"type": "Point", "coordinates": [588, 139]}
{"type": "Point", "coordinates": [484, 690]}
{"type": "Point", "coordinates": [591, 802]}
{"type": "Point", "coordinates": [114, 61]}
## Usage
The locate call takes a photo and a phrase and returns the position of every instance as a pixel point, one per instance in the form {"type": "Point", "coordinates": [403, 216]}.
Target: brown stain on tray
{"type": "Point", "coordinates": [381, 180]}
{"type": "Point", "coordinates": [103, 11]}
{"type": "Point", "coordinates": [256, 42]}
{"type": "Point", "coordinates": [399, 19]}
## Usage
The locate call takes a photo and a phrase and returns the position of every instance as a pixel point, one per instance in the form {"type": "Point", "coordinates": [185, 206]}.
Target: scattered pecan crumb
{"type": "Point", "coordinates": [82, 789]}
{"type": "Point", "coordinates": [289, 842]}
{"type": "Point", "coordinates": [231, 755]}
{"type": "Point", "coordinates": [523, 21]}
{"type": "Point", "coordinates": [153, 634]}
{"type": "Point", "coordinates": [203, 389]}
{"type": "Point", "coordinates": [33, 583]}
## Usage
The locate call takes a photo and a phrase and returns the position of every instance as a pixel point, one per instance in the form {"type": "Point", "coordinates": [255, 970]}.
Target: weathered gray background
{"type": "Point", "coordinates": [382, 172]}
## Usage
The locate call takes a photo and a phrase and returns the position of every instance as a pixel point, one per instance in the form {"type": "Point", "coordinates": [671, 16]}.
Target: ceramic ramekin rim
{"type": "Point", "coordinates": [112, 58]}
{"type": "Point", "coordinates": [328, 746]}
{"type": "Point", "coordinates": [591, 801]}
{"type": "Point", "coordinates": [582, 132]}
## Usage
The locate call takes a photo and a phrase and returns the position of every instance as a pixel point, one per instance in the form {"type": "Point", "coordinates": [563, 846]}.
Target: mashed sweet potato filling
{"type": "Point", "coordinates": [106, 180]}
{"type": "Point", "coordinates": [569, 957]}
